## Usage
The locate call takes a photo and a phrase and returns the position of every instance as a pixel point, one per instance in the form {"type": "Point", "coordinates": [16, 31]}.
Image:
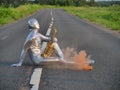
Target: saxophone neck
{"type": "Point", "coordinates": [54, 33]}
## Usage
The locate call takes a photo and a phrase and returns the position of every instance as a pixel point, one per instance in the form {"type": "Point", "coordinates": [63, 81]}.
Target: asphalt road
{"type": "Point", "coordinates": [12, 38]}
{"type": "Point", "coordinates": [73, 32]}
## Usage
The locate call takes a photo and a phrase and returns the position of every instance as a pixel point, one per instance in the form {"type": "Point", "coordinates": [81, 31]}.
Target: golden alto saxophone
{"type": "Point", "coordinates": [49, 50]}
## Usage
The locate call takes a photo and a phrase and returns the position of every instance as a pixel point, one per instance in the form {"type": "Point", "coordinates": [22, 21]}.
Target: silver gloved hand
{"type": "Point", "coordinates": [16, 65]}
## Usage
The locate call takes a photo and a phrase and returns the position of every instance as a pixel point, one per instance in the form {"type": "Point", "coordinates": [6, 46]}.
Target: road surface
{"type": "Point", "coordinates": [73, 32]}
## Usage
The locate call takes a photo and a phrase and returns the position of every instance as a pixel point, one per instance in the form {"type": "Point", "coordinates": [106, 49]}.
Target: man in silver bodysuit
{"type": "Point", "coordinates": [33, 44]}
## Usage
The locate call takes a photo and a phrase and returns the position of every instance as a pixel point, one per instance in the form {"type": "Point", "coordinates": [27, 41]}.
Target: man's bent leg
{"type": "Point", "coordinates": [58, 50]}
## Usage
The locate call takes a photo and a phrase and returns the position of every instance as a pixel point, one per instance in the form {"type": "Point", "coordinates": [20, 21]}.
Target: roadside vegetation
{"type": "Point", "coordinates": [107, 16]}
{"type": "Point", "coordinates": [11, 14]}
{"type": "Point", "coordinates": [104, 13]}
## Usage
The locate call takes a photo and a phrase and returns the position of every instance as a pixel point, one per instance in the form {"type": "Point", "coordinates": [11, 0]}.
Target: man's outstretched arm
{"type": "Point", "coordinates": [22, 56]}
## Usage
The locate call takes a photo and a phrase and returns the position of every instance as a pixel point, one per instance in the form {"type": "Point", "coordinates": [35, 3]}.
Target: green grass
{"type": "Point", "coordinates": [8, 15]}
{"type": "Point", "coordinates": [106, 16]}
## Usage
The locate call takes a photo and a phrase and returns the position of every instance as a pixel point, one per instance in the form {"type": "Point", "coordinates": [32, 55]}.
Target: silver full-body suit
{"type": "Point", "coordinates": [33, 46]}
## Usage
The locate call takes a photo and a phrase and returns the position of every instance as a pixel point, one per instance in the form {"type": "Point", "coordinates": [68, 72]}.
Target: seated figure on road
{"type": "Point", "coordinates": [33, 44]}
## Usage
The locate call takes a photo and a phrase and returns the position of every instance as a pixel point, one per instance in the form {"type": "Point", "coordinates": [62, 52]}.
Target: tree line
{"type": "Point", "coordinates": [15, 3]}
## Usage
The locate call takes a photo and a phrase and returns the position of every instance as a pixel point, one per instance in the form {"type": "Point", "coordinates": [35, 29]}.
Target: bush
{"type": "Point", "coordinates": [11, 14]}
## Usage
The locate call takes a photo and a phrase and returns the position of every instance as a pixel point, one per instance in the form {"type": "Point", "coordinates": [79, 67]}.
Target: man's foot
{"type": "Point", "coordinates": [92, 61]}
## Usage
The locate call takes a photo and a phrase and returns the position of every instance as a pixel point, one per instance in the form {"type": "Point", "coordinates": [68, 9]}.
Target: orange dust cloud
{"type": "Point", "coordinates": [73, 61]}
{"type": "Point", "coordinates": [80, 60]}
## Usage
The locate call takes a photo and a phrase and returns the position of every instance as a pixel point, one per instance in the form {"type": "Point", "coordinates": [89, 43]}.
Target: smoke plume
{"type": "Point", "coordinates": [80, 60]}
{"type": "Point", "coordinates": [73, 60]}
